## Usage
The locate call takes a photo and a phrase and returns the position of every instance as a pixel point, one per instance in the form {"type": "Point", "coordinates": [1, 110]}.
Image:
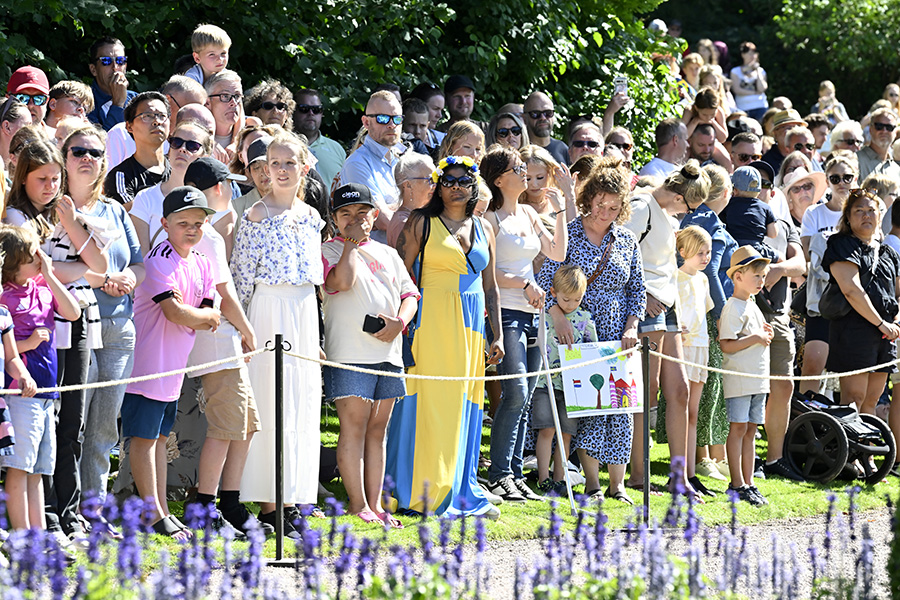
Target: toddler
{"type": "Point", "coordinates": [748, 219]}
{"type": "Point", "coordinates": [210, 45]}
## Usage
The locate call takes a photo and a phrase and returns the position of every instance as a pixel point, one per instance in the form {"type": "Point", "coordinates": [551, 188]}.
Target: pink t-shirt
{"type": "Point", "coordinates": [32, 306]}
{"type": "Point", "coordinates": [161, 345]}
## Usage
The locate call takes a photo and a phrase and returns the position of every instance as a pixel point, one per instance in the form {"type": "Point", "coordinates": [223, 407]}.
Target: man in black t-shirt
{"type": "Point", "coordinates": [540, 117]}
{"type": "Point", "coordinates": [147, 120]}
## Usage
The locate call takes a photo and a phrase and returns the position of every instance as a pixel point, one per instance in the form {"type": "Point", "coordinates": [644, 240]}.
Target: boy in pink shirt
{"type": "Point", "coordinates": [174, 300]}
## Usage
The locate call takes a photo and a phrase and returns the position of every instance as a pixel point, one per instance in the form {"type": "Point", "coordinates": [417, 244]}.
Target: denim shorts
{"type": "Point", "coordinates": [34, 425]}
{"type": "Point", "coordinates": [146, 418]}
{"type": "Point", "coordinates": [747, 409]}
{"type": "Point", "coordinates": [664, 321]}
{"type": "Point", "coordinates": [341, 383]}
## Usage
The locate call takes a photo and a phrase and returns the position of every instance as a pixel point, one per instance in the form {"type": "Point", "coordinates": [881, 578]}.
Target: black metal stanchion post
{"type": "Point", "coordinates": [279, 454]}
{"type": "Point", "coordinates": [645, 368]}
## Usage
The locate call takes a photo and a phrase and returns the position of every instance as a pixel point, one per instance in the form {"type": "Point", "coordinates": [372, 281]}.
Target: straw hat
{"type": "Point", "coordinates": [744, 256]}
{"type": "Point", "coordinates": [799, 175]}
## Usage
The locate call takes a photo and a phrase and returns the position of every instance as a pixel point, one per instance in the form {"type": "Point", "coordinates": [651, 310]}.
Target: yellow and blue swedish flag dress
{"type": "Point", "coordinates": [435, 433]}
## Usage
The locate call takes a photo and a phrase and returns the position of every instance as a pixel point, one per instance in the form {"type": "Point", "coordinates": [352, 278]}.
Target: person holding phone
{"type": "Point", "coordinates": [369, 299]}
{"type": "Point", "coordinates": [749, 83]}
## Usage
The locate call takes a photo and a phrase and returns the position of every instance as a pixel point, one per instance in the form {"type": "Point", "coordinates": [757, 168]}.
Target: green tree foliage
{"type": "Point", "coordinates": [570, 48]}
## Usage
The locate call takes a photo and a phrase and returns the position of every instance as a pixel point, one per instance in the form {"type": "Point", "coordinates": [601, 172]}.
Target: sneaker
{"type": "Point", "coordinates": [241, 519]}
{"type": "Point", "coordinates": [526, 491]}
{"type": "Point", "coordinates": [506, 489]}
{"type": "Point", "coordinates": [575, 476]}
{"type": "Point", "coordinates": [219, 525]}
{"type": "Point", "coordinates": [491, 497]}
{"type": "Point", "coordinates": [755, 491]}
{"type": "Point", "coordinates": [289, 530]}
{"type": "Point", "coordinates": [493, 513]}
{"type": "Point", "coordinates": [744, 494]}
{"type": "Point", "coordinates": [530, 463]}
{"type": "Point", "coordinates": [781, 468]}
{"type": "Point", "coordinates": [699, 487]}
{"type": "Point", "coordinates": [758, 465]}
{"type": "Point", "coordinates": [707, 468]}
{"type": "Point", "coordinates": [724, 469]}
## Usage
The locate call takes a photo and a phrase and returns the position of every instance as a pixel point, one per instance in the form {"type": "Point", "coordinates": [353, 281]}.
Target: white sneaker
{"type": "Point", "coordinates": [491, 497]}
{"type": "Point", "coordinates": [493, 513]}
{"type": "Point", "coordinates": [530, 463]}
{"type": "Point", "coordinates": [575, 476]}
{"type": "Point", "coordinates": [506, 488]}
{"type": "Point", "coordinates": [707, 468]}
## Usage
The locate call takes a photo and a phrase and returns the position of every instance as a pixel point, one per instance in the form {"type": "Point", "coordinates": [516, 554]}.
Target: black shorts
{"type": "Point", "coordinates": [857, 344]}
{"type": "Point", "coordinates": [817, 329]}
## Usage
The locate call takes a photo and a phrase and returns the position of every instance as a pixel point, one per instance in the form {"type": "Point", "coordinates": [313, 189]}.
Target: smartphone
{"type": "Point", "coordinates": [373, 324]}
{"type": "Point", "coordinates": [621, 85]}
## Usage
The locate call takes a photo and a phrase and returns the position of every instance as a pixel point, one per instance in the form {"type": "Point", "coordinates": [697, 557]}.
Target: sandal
{"type": "Point", "coordinates": [391, 520]}
{"type": "Point", "coordinates": [167, 527]}
{"type": "Point", "coordinates": [639, 487]}
{"type": "Point", "coordinates": [368, 517]}
{"type": "Point", "coordinates": [619, 495]}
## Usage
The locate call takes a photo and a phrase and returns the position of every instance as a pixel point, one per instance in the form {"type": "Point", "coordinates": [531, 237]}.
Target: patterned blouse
{"type": "Point", "coordinates": [284, 249]}
{"type": "Point", "coordinates": [618, 292]}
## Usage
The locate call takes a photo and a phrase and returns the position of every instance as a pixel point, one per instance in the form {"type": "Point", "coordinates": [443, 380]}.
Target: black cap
{"type": "Point", "coordinates": [764, 167]}
{"type": "Point", "coordinates": [454, 82]}
{"type": "Point", "coordinates": [184, 198]}
{"type": "Point", "coordinates": [738, 125]}
{"type": "Point", "coordinates": [351, 193]}
{"type": "Point", "coordinates": [206, 172]}
{"type": "Point", "coordinates": [257, 150]}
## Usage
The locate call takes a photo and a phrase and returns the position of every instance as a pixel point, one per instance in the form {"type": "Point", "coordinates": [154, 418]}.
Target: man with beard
{"type": "Point", "coordinates": [876, 157]}
{"type": "Point", "coordinates": [372, 164]}
{"type": "Point", "coordinates": [308, 121]}
{"type": "Point", "coordinates": [147, 120]}
{"type": "Point", "coordinates": [539, 118]}
{"type": "Point", "coordinates": [702, 143]}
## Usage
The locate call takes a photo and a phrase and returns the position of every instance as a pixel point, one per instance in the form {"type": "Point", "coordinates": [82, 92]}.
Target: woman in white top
{"type": "Point", "coordinates": [749, 83]}
{"type": "Point", "coordinates": [521, 236]}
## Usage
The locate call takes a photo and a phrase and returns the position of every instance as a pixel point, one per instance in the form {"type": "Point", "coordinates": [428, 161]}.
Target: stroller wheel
{"type": "Point", "coordinates": [816, 446]}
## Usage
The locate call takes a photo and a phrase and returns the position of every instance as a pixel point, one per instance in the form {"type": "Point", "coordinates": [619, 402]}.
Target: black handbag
{"type": "Point", "coordinates": [833, 305]}
{"type": "Point", "coordinates": [408, 359]}
{"type": "Point", "coordinates": [798, 302]}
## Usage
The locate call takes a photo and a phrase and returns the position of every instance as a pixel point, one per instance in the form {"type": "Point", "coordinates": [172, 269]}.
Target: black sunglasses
{"type": "Point", "coordinates": [883, 126]}
{"type": "Point", "coordinates": [36, 99]}
{"type": "Point", "coordinates": [621, 145]}
{"type": "Point", "coordinates": [766, 184]}
{"type": "Point", "coordinates": [448, 181]}
{"type": "Point", "coordinates": [316, 109]}
{"type": "Point", "coordinates": [537, 114]}
{"type": "Point", "coordinates": [583, 143]}
{"type": "Point", "coordinates": [385, 119]}
{"type": "Point", "coordinates": [108, 60]}
{"type": "Point", "coordinates": [852, 142]}
{"type": "Point", "coordinates": [505, 131]}
{"type": "Point", "coordinates": [836, 179]}
{"type": "Point", "coordinates": [189, 145]}
{"type": "Point", "coordinates": [746, 158]}
{"type": "Point", "coordinates": [79, 152]}
{"type": "Point", "coordinates": [270, 105]}
{"type": "Point", "coordinates": [809, 147]}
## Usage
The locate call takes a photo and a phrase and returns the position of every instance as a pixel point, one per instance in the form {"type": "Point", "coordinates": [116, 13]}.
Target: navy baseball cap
{"type": "Point", "coordinates": [351, 193]}
{"type": "Point", "coordinates": [185, 198]}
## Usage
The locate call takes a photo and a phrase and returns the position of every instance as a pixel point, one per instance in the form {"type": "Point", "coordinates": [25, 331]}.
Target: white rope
{"type": "Point", "coordinates": [775, 377]}
{"type": "Point", "coordinates": [328, 363]}
{"type": "Point", "coordinates": [103, 384]}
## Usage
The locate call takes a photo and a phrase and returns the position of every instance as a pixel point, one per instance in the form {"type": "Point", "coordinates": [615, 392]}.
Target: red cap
{"type": "Point", "coordinates": [28, 77]}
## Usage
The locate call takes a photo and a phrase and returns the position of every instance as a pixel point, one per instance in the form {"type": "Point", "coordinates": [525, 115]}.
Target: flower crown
{"type": "Point", "coordinates": [454, 161]}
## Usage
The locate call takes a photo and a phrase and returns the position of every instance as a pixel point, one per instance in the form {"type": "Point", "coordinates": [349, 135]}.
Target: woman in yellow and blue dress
{"type": "Point", "coordinates": [435, 432]}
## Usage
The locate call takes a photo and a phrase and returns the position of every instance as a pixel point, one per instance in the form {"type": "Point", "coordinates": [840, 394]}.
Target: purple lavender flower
{"type": "Point", "coordinates": [130, 552]}
{"type": "Point", "coordinates": [364, 563]}
{"type": "Point", "coordinates": [344, 560]}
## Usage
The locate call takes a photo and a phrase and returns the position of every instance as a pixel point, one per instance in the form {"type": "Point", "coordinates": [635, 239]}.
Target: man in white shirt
{"type": "Point", "coordinates": [672, 144]}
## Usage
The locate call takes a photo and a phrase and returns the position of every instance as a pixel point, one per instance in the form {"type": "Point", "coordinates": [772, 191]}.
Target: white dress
{"type": "Point", "coordinates": [276, 264]}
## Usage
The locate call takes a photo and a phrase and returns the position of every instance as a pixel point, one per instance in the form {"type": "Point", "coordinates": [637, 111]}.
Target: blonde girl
{"type": "Point", "coordinates": [464, 138]}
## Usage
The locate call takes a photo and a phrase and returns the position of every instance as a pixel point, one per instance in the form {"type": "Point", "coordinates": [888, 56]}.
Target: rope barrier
{"type": "Point", "coordinates": [103, 384]}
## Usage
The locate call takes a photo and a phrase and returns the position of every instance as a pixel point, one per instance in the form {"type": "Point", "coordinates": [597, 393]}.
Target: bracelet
{"type": "Point", "coordinates": [350, 239]}
{"type": "Point", "coordinates": [527, 283]}
{"type": "Point", "coordinates": [106, 280]}
{"type": "Point", "coordinates": [556, 213]}
{"type": "Point", "coordinates": [880, 323]}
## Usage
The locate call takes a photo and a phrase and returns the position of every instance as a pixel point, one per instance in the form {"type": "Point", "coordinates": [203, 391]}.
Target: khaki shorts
{"type": "Point", "coordinates": [781, 350]}
{"type": "Point", "coordinates": [230, 405]}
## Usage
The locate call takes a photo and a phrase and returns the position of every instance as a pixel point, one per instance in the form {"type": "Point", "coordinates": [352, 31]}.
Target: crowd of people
{"type": "Point", "coordinates": [148, 232]}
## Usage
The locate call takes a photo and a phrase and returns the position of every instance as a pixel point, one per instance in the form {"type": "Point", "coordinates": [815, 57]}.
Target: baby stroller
{"type": "Point", "coordinates": [824, 439]}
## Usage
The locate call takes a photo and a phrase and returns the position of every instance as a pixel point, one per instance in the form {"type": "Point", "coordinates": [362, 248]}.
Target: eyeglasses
{"type": "Point", "coordinates": [270, 105]}
{"type": "Point", "coordinates": [108, 60]}
{"type": "Point", "coordinates": [882, 126]}
{"type": "Point", "coordinates": [852, 142]}
{"type": "Point", "coordinates": [429, 179]}
{"type": "Point", "coordinates": [227, 98]}
{"type": "Point", "coordinates": [583, 143]}
{"type": "Point", "coordinates": [77, 104]}
{"type": "Point", "coordinates": [448, 181]}
{"type": "Point", "coordinates": [621, 145]}
{"type": "Point", "coordinates": [809, 147]}
{"type": "Point", "coordinates": [385, 119]}
{"type": "Point", "coordinates": [152, 117]}
{"type": "Point", "coordinates": [519, 169]}
{"type": "Point", "coordinates": [503, 132]}
{"type": "Point", "coordinates": [316, 109]}
{"type": "Point", "coordinates": [766, 184]}
{"type": "Point", "coordinates": [806, 187]}
{"type": "Point", "coordinates": [748, 158]}
{"type": "Point", "coordinates": [79, 152]}
{"type": "Point", "coordinates": [189, 145]}
{"type": "Point", "coordinates": [537, 114]}
{"type": "Point", "coordinates": [36, 99]}
{"type": "Point", "coordinates": [836, 179]}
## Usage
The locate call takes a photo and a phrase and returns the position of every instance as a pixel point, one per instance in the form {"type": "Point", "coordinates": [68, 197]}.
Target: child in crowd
{"type": "Point", "coordinates": [569, 285]}
{"type": "Point", "coordinates": [369, 300]}
{"type": "Point", "coordinates": [32, 294]}
{"type": "Point", "coordinates": [746, 217]}
{"type": "Point", "coordinates": [210, 45]}
{"type": "Point", "coordinates": [174, 300]}
{"type": "Point", "coordinates": [694, 245]}
{"type": "Point", "coordinates": [744, 337]}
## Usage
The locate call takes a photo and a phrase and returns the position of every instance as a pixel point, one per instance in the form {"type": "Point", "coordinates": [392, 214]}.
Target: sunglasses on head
{"type": "Point", "coordinates": [108, 60]}
{"type": "Point", "coordinates": [537, 114]}
{"type": "Point", "coordinates": [852, 142]}
{"type": "Point", "coordinates": [385, 119]}
{"type": "Point", "coordinates": [79, 152]}
{"type": "Point", "coordinates": [270, 105]}
{"type": "Point", "coordinates": [448, 181]}
{"type": "Point", "coordinates": [836, 179]}
{"type": "Point", "coordinates": [806, 187]}
{"type": "Point", "coordinates": [621, 145]}
{"type": "Point", "coordinates": [36, 99]}
{"type": "Point", "coordinates": [189, 145]}
{"type": "Point", "coordinates": [883, 126]}
{"type": "Point", "coordinates": [583, 143]}
{"type": "Point", "coordinates": [519, 169]}
{"type": "Point", "coordinates": [315, 109]}
{"type": "Point", "coordinates": [809, 147]}
{"type": "Point", "coordinates": [747, 158]}
{"type": "Point", "coordinates": [503, 132]}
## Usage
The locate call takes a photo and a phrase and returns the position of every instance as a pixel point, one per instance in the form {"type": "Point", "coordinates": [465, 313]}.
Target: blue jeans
{"type": "Point", "coordinates": [522, 356]}
{"type": "Point", "coordinates": [101, 429]}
